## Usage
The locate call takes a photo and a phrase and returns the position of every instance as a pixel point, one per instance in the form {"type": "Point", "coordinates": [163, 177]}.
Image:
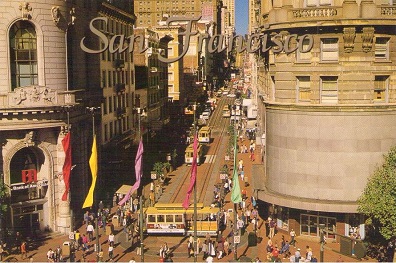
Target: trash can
{"type": "Point", "coordinates": [346, 246]}
{"type": "Point", "coordinates": [109, 228]}
{"type": "Point", "coordinates": [115, 219]}
{"type": "Point", "coordinates": [66, 249]}
{"type": "Point", "coordinates": [252, 239]}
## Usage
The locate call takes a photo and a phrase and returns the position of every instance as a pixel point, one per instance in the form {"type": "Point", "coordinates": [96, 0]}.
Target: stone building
{"type": "Point", "coordinates": [327, 110]}
{"type": "Point", "coordinates": [49, 87]}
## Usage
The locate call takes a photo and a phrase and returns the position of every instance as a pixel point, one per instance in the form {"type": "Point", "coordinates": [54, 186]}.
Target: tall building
{"type": "Point", "coordinates": [254, 15]}
{"type": "Point", "coordinates": [152, 84]}
{"type": "Point", "coordinates": [151, 12]}
{"type": "Point", "coordinates": [327, 109]}
{"type": "Point", "coordinates": [117, 82]}
{"type": "Point", "coordinates": [229, 16]}
{"type": "Point", "coordinates": [43, 95]}
{"type": "Point", "coordinates": [185, 73]}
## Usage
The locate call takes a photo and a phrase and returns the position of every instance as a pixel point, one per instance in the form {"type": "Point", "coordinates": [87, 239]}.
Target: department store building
{"type": "Point", "coordinates": [329, 115]}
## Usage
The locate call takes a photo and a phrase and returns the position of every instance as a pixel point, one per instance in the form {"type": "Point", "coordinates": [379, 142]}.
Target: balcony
{"type": "Point", "coordinates": [316, 12]}
{"type": "Point", "coordinates": [119, 63]}
{"type": "Point", "coordinates": [119, 87]}
{"type": "Point", "coordinates": [121, 112]}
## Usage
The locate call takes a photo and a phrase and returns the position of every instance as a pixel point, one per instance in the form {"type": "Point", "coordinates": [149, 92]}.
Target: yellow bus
{"type": "Point", "coordinates": [172, 218]}
{"type": "Point", "coordinates": [226, 112]}
{"type": "Point", "coordinates": [188, 155]}
{"type": "Point", "coordinates": [204, 134]}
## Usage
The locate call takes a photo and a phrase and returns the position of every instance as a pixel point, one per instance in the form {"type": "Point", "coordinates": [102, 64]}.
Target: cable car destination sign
{"type": "Point", "coordinates": [216, 43]}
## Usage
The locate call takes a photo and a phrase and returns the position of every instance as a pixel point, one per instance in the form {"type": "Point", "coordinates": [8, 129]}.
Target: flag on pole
{"type": "Point", "coordinates": [93, 164]}
{"type": "Point", "coordinates": [236, 189]}
{"type": "Point", "coordinates": [138, 173]}
{"type": "Point", "coordinates": [193, 178]}
{"type": "Point", "coordinates": [67, 164]}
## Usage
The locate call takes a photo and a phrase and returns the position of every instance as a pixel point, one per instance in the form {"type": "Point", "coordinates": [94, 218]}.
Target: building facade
{"type": "Point", "coordinates": [51, 87]}
{"type": "Point", "coordinates": [327, 109]}
{"type": "Point", "coordinates": [41, 95]}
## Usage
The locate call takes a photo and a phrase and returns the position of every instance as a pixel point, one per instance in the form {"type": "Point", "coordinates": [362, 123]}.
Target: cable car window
{"type": "Point", "coordinates": [169, 218]}
{"type": "Point", "coordinates": [151, 218]}
{"type": "Point", "coordinates": [160, 218]}
{"type": "Point", "coordinates": [178, 218]}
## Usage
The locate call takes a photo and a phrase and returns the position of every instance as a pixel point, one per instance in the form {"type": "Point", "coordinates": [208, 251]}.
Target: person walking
{"type": "Point", "coordinates": [111, 249]}
{"type": "Point", "coordinates": [292, 238]}
{"type": "Point", "coordinates": [23, 250]}
{"type": "Point", "coordinates": [90, 231]}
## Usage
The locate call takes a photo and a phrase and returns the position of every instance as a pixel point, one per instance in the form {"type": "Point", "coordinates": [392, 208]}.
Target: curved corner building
{"type": "Point", "coordinates": [329, 114]}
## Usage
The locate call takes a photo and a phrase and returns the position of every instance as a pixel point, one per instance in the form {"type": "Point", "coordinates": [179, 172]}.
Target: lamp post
{"type": "Point", "coordinates": [140, 113]}
{"type": "Point", "coordinates": [195, 195]}
{"type": "Point", "coordinates": [322, 241]}
{"type": "Point", "coordinates": [235, 204]}
{"type": "Point", "coordinates": [92, 111]}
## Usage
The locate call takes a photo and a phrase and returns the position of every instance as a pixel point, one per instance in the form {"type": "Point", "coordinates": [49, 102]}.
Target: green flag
{"type": "Point", "coordinates": [236, 189]}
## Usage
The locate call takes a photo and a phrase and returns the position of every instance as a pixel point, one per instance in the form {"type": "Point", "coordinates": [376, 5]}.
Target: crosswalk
{"type": "Point", "coordinates": [209, 158]}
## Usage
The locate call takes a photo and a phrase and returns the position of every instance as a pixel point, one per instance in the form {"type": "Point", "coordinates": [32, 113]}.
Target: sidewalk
{"type": "Point", "coordinates": [178, 244]}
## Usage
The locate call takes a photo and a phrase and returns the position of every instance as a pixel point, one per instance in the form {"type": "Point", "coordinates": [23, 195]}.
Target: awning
{"type": "Point", "coordinates": [124, 189]}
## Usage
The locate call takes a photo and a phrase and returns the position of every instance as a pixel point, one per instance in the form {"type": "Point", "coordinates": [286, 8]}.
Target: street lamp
{"type": "Point", "coordinates": [322, 241]}
{"type": "Point", "coordinates": [92, 111]}
{"type": "Point", "coordinates": [141, 113]}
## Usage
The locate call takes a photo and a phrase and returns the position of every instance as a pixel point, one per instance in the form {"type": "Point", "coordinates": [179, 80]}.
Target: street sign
{"type": "Point", "coordinates": [237, 239]}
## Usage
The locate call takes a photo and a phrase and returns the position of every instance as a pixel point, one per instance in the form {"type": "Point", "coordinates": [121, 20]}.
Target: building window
{"type": "Point", "coordinates": [106, 132]}
{"type": "Point", "coordinates": [381, 88]}
{"type": "Point", "coordinates": [329, 48]}
{"type": "Point", "coordinates": [303, 89]}
{"type": "Point", "coordinates": [170, 76]}
{"type": "Point", "coordinates": [110, 104]}
{"type": "Point", "coordinates": [104, 81]}
{"type": "Point", "coordinates": [304, 57]}
{"type": "Point", "coordinates": [23, 53]}
{"type": "Point", "coordinates": [104, 107]}
{"type": "Point", "coordinates": [171, 88]}
{"type": "Point", "coordinates": [328, 90]}
{"type": "Point", "coordinates": [381, 48]}
{"type": "Point", "coordinates": [111, 130]}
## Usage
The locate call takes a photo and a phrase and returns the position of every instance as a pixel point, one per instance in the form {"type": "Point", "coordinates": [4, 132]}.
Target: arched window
{"type": "Point", "coordinates": [23, 52]}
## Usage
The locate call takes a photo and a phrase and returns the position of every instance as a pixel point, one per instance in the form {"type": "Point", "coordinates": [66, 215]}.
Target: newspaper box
{"type": "Point", "coordinates": [115, 220]}
{"type": "Point", "coordinates": [66, 249]}
{"type": "Point", "coordinates": [109, 228]}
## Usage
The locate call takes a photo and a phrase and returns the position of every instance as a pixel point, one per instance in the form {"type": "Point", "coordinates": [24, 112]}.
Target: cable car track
{"type": "Point", "coordinates": [206, 174]}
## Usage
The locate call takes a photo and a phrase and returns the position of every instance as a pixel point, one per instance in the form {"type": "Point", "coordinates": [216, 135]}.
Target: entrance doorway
{"type": "Point", "coordinates": [27, 224]}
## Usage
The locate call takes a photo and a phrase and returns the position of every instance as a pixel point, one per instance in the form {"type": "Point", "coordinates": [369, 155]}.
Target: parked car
{"type": "Point", "coordinates": [205, 115]}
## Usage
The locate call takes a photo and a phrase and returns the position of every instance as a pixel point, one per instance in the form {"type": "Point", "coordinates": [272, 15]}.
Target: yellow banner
{"type": "Point", "coordinates": [93, 164]}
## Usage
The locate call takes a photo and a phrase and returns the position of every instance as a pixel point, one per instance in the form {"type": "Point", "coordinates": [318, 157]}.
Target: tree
{"type": "Point", "coordinates": [378, 201]}
{"type": "Point", "coordinates": [3, 198]}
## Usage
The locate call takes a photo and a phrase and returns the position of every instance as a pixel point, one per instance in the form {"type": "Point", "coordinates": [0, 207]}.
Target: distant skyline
{"type": "Point", "coordinates": [241, 16]}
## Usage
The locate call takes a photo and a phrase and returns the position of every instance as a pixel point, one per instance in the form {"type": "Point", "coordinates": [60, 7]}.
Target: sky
{"type": "Point", "coordinates": [241, 16]}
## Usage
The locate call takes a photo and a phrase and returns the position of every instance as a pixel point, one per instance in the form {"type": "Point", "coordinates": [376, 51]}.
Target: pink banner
{"type": "Point", "coordinates": [193, 178]}
{"type": "Point", "coordinates": [67, 164]}
{"type": "Point", "coordinates": [138, 173]}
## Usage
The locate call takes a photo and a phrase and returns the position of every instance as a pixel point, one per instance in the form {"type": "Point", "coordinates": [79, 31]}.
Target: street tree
{"type": "Point", "coordinates": [3, 198]}
{"type": "Point", "coordinates": [378, 201]}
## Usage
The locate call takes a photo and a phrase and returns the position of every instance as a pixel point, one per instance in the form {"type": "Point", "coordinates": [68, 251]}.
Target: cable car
{"type": "Point", "coordinates": [226, 113]}
{"type": "Point", "coordinates": [172, 218]}
{"type": "Point", "coordinates": [188, 155]}
{"type": "Point", "coordinates": [204, 134]}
